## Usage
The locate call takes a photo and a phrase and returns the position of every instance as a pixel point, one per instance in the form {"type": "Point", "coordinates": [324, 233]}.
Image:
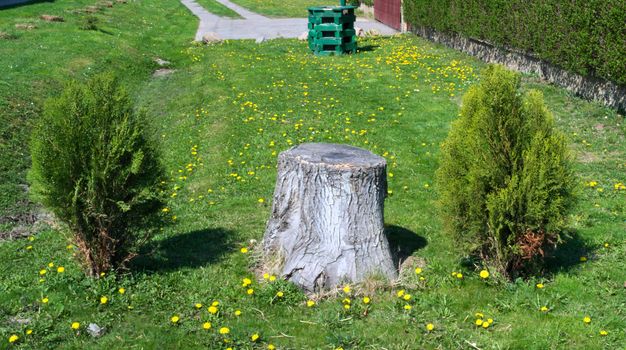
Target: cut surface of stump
{"type": "Point", "coordinates": [327, 217]}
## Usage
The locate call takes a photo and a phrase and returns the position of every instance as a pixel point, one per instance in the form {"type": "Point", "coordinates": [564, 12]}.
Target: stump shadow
{"type": "Point", "coordinates": [367, 48]}
{"type": "Point", "coordinates": [188, 250]}
{"type": "Point", "coordinates": [403, 242]}
{"type": "Point", "coordinates": [567, 255]}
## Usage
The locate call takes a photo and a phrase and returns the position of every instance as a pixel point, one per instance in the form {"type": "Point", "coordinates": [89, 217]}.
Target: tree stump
{"type": "Point", "coordinates": [327, 217]}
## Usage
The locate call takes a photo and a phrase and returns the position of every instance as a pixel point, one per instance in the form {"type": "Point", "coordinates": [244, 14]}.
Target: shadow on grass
{"type": "Point", "coordinates": [367, 48]}
{"type": "Point", "coordinates": [8, 4]}
{"type": "Point", "coordinates": [568, 254]}
{"type": "Point", "coordinates": [192, 249]}
{"type": "Point", "coordinates": [403, 243]}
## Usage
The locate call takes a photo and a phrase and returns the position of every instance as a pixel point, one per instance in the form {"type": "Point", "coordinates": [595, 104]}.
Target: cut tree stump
{"type": "Point", "coordinates": [327, 217]}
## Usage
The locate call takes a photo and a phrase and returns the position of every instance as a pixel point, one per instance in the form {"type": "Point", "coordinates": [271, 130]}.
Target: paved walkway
{"type": "Point", "coordinates": [255, 26]}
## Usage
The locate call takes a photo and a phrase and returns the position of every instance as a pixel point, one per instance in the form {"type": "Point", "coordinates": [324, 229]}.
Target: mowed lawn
{"type": "Point", "coordinates": [221, 119]}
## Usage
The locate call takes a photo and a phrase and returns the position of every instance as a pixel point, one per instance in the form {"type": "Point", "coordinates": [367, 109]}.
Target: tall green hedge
{"type": "Point", "coordinates": [586, 37]}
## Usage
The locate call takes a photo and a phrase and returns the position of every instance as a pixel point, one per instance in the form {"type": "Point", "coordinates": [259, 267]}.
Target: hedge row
{"type": "Point", "coordinates": [587, 37]}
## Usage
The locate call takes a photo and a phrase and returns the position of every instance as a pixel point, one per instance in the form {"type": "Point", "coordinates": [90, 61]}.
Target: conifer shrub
{"type": "Point", "coordinates": [505, 179]}
{"type": "Point", "coordinates": [94, 169]}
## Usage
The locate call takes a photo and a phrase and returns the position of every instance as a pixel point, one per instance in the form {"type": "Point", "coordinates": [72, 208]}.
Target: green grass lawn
{"type": "Point", "coordinates": [218, 9]}
{"type": "Point", "coordinates": [277, 8]}
{"type": "Point", "coordinates": [220, 121]}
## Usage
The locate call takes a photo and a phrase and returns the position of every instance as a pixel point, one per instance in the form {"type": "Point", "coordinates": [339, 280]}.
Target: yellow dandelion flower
{"type": "Point", "coordinates": [254, 337]}
{"type": "Point", "coordinates": [479, 315]}
{"type": "Point", "coordinates": [544, 309]}
{"type": "Point", "coordinates": [13, 338]}
{"type": "Point", "coordinates": [75, 325]}
{"type": "Point", "coordinates": [237, 312]}
{"type": "Point", "coordinates": [400, 293]}
{"type": "Point", "coordinates": [418, 270]}
{"type": "Point", "coordinates": [486, 324]}
{"type": "Point", "coordinates": [60, 269]}
{"type": "Point", "coordinates": [478, 322]}
{"type": "Point", "coordinates": [206, 325]}
{"type": "Point", "coordinates": [604, 333]}
{"type": "Point", "coordinates": [346, 289]}
{"type": "Point", "coordinates": [272, 278]}
{"type": "Point", "coordinates": [271, 347]}
{"type": "Point", "coordinates": [407, 307]}
{"type": "Point", "coordinates": [246, 282]}
{"type": "Point", "coordinates": [175, 319]}
{"type": "Point", "coordinates": [250, 291]}
{"type": "Point", "coordinates": [266, 276]}
{"type": "Point", "coordinates": [224, 330]}
{"type": "Point", "coordinates": [587, 320]}
{"type": "Point", "coordinates": [407, 297]}
{"type": "Point", "coordinates": [215, 303]}
{"type": "Point", "coordinates": [346, 306]}
{"type": "Point", "coordinates": [51, 265]}
{"type": "Point", "coordinates": [583, 258]}
{"type": "Point", "coordinates": [198, 305]}
{"type": "Point", "coordinates": [540, 285]}
{"type": "Point", "coordinates": [43, 272]}
{"type": "Point", "coordinates": [484, 274]}
{"type": "Point", "coordinates": [29, 331]}
{"type": "Point", "coordinates": [310, 303]}
{"type": "Point", "coordinates": [244, 250]}
{"type": "Point", "coordinates": [430, 327]}
{"type": "Point", "coordinates": [261, 200]}
{"type": "Point", "coordinates": [104, 300]}
{"type": "Point", "coordinates": [45, 300]}
{"type": "Point", "coordinates": [29, 247]}
{"type": "Point", "coordinates": [459, 275]}
{"type": "Point", "coordinates": [121, 290]}
{"type": "Point", "coordinates": [366, 300]}
{"type": "Point", "coordinates": [212, 309]}
{"type": "Point", "coordinates": [280, 294]}
{"type": "Point", "coordinates": [490, 320]}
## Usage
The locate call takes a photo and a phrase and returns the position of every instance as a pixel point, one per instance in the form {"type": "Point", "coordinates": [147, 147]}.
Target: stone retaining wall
{"type": "Point", "coordinates": [588, 87]}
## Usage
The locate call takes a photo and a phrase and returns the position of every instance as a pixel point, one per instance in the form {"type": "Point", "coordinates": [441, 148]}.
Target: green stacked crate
{"type": "Point", "coordinates": [331, 30]}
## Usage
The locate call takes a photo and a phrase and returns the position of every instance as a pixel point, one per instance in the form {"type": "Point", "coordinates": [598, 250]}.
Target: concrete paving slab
{"type": "Point", "coordinates": [255, 26]}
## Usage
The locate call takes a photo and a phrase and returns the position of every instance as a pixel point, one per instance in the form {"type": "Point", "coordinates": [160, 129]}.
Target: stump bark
{"type": "Point", "coordinates": [327, 217]}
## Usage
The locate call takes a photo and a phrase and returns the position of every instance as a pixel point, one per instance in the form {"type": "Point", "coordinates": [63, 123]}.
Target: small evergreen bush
{"type": "Point", "coordinates": [505, 179]}
{"type": "Point", "coordinates": [94, 169]}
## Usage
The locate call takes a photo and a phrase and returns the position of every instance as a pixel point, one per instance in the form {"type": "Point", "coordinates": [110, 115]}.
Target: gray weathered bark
{"type": "Point", "coordinates": [327, 216]}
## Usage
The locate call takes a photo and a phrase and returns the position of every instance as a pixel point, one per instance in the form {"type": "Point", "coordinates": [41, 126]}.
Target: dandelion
{"type": "Point", "coordinates": [104, 300]}
{"type": "Point", "coordinates": [215, 303]}
{"type": "Point", "coordinates": [272, 278]}
{"type": "Point", "coordinates": [237, 312]}
{"type": "Point", "coordinates": [478, 322]}
{"type": "Point", "coordinates": [121, 290]}
{"type": "Point", "coordinates": [206, 325]}
{"type": "Point", "coordinates": [346, 306]}
{"type": "Point", "coordinates": [212, 309]}
{"type": "Point", "coordinates": [604, 333]}
{"type": "Point", "coordinates": [60, 269]}
{"type": "Point", "coordinates": [246, 282]}
{"type": "Point", "coordinates": [279, 294]}
{"type": "Point", "coordinates": [29, 331]}
{"type": "Point", "coordinates": [271, 347]}
{"type": "Point", "coordinates": [430, 327]}
{"type": "Point", "coordinates": [261, 200]}
{"type": "Point", "coordinates": [13, 338]}
{"type": "Point", "coordinates": [51, 265]}
{"type": "Point", "coordinates": [540, 286]}
{"type": "Point", "coordinates": [400, 293]}
{"type": "Point", "coordinates": [244, 250]}
{"type": "Point", "coordinates": [583, 258]}
{"type": "Point", "coordinates": [407, 307]}
{"type": "Point", "coordinates": [198, 305]}
{"type": "Point", "coordinates": [407, 297]}
{"type": "Point", "coordinates": [250, 291]}
{"type": "Point", "coordinates": [43, 272]}
{"type": "Point", "coordinates": [70, 246]}
{"type": "Point", "coordinates": [266, 276]}
{"type": "Point", "coordinates": [587, 320]}
{"type": "Point", "coordinates": [544, 309]}
{"type": "Point", "coordinates": [459, 275]}
{"type": "Point", "coordinates": [175, 319]}
{"type": "Point", "coordinates": [29, 247]}
{"type": "Point", "coordinates": [606, 245]}
{"type": "Point", "coordinates": [224, 330]}
{"type": "Point", "coordinates": [45, 300]}
{"type": "Point", "coordinates": [346, 289]}
{"type": "Point", "coordinates": [366, 300]}
{"type": "Point", "coordinates": [418, 270]}
{"type": "Point", "coordinates": [486, 324]}
{"type": "Point", "coordinates": [310, 303]}
{"type": "Point", "coordinates": [255, 337]}
{"type": "Point", "coordinates": [484, 274]}
{"type": "Point", "coordinates": [75, 325]}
